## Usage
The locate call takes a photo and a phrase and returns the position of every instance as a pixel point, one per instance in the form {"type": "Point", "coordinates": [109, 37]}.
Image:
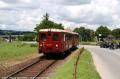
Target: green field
{"type": "Point", "coordinates": [85, 69]}
{"type": "Point", "coordinates": [16, 51]}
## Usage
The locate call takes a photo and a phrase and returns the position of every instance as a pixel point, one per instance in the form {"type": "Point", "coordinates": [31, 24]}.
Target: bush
{"type": "Point", "coordinates": [33, 45]}
{"type": "Point", "coordinates": [27, 37]}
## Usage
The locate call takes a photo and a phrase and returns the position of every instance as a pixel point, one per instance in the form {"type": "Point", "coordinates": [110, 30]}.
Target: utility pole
{"type": "Point", "coordinates": [10, 38]}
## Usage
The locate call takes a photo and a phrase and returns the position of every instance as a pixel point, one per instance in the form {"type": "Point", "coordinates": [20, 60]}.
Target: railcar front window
{"type": "Point", "coordinates": [49, 33]}
{"type": "Point", "coordinates": [43, 37]}
{"type": "Point", "coordinates": [55, 37]}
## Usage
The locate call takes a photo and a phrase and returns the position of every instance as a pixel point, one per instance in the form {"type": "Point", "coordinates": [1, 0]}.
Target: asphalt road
{"type": "Point", "coordinates": [107, 61]}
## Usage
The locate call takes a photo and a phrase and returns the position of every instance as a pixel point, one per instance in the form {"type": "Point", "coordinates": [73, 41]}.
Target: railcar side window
{"type": "Point", "coordinates": [55, 37]}
{"type": "Point", "coordinates": [68, 37]}
{"type": "Point", "coordinates": [43, 37]}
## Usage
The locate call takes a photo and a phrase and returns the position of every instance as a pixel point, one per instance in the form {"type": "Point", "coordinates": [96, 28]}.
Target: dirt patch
{"type": "Point", "coordinates": [13, 66]}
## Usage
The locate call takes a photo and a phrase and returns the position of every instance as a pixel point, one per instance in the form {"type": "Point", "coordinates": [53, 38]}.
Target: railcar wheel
{"type": "Point", "coordinates": [62, 55]}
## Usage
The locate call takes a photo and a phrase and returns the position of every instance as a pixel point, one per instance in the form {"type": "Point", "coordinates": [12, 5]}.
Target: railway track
{"type": "Point", "coordinates": [32, 71]}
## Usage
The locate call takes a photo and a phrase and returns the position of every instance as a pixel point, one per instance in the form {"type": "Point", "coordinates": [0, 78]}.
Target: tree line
{"type": "Point", "coordinates": [101, 31]}
{"type": "Point", "coordinates": [84, 33]}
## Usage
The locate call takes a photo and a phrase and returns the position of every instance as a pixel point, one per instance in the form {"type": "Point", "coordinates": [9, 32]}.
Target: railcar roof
{"type": "Point", "coordinates": [57, 30]}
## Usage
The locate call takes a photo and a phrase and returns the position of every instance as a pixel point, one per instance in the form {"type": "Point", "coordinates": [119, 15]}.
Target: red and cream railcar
{"type": "Point", "coordinates": [56, 40]}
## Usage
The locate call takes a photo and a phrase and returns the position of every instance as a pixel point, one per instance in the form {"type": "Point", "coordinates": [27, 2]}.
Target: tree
{"type": "Point", "coordinates": [81, 32]}
{"type": "Point", "coordinates": [116, 33]}
{"type": "Point", "coordinates": [89, 35]}
{"type": "Point", "coordinates": [103, 30]}
{"type": "Point", "coordinates": [85, 34]}
{"type": "Point", "coordinates": [46, 16]}
{"type": "Point", "coordinates": [46, 24]}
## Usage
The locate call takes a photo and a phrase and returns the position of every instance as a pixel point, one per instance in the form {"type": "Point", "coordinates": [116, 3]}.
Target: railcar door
{"type": "Point", "coordinates": [48, 43]}
{"type": "Point", "coordinates": [42, 39]}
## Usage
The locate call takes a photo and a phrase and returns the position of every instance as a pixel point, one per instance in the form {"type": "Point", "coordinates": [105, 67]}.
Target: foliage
{"type": "Point", "coordinates": [116, 41]}
{"type": "Point", "coordinates": [103, 30]}
{"type": "Point", "coordinates": [33, 45]}
{"type": "Point", "coordinates": [85, 34]}
{"type": "Point", "coordinates": [46, 23]}
{"type": "Point", "coordinates": [116, 33]}
{"type": "Point", "coordinates": [27, 37]}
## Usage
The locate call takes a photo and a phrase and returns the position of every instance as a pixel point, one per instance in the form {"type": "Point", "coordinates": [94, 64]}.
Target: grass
{"type": "Point", "coordinates": [88, 43]}
{"type": "Point", "coordinates": [115, 41]}
{"type": "Point", "coordinates": [16, 51]}
{"type": "Point", "coordinates": [85, 68]}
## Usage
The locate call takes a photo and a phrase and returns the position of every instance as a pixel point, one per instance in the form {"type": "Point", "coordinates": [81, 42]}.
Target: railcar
{"type": "Point", "coordinates": [56, 41]}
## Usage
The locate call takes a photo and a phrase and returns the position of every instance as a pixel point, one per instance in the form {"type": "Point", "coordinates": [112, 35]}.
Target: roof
{"type": "Point", "coordinates": [52, 30]}
{"type": "Point", "coordinates": [57, 30]}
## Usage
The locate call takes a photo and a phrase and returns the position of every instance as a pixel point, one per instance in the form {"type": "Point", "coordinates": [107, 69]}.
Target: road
{"type": "Point", "coordinates": [107, 61]}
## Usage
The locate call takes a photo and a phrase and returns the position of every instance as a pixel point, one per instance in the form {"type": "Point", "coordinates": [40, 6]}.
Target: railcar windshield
{"type": "Point", "coordinates": [43, 37]}
{"type": "Point", "coordinates": [55, 37]}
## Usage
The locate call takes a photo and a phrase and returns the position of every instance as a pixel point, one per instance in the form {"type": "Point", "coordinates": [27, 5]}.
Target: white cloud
{"type": "Point", "coordinates": [25, 14]}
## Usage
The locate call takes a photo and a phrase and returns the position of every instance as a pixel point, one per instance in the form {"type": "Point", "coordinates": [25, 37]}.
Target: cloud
{"type": "Point", "coordinates": [10, 1]}
{"type": "Point", "coordinates": [72, 2]}
{"type": "Point", "coordinates": [8, 17]}
{"type": "Point", "coordinates": [25, 14]}
{"type": "Point", "coordinates": [95, 13]}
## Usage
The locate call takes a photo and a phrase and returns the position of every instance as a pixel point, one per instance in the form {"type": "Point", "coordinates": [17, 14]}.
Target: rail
{"type": "Point", "coordinates": [51, 62]}
{"type": "Point", "coordinates": [45, 69]}
{"type": "Point", "coordinates": [8, 77]}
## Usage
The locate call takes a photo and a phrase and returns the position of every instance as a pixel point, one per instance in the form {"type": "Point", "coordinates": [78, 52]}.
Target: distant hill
{"type": "Point", "coordinates": [13, 32]}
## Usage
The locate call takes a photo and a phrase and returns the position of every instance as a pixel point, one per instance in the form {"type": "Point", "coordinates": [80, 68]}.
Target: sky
{"type": "Point", "coordinates": [23, 15]}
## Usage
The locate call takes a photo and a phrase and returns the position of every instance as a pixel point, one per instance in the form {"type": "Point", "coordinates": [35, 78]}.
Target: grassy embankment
{"type": "Point", "coordinates": [85, 69]}
{"type": "Point", "coordinates": [16, 51]}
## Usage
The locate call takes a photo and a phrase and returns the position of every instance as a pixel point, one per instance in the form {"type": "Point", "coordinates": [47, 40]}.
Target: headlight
{"type": "Point", "coordinates": [56, 45]}
{"type": "Point", "coordinates": [41, 45]}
